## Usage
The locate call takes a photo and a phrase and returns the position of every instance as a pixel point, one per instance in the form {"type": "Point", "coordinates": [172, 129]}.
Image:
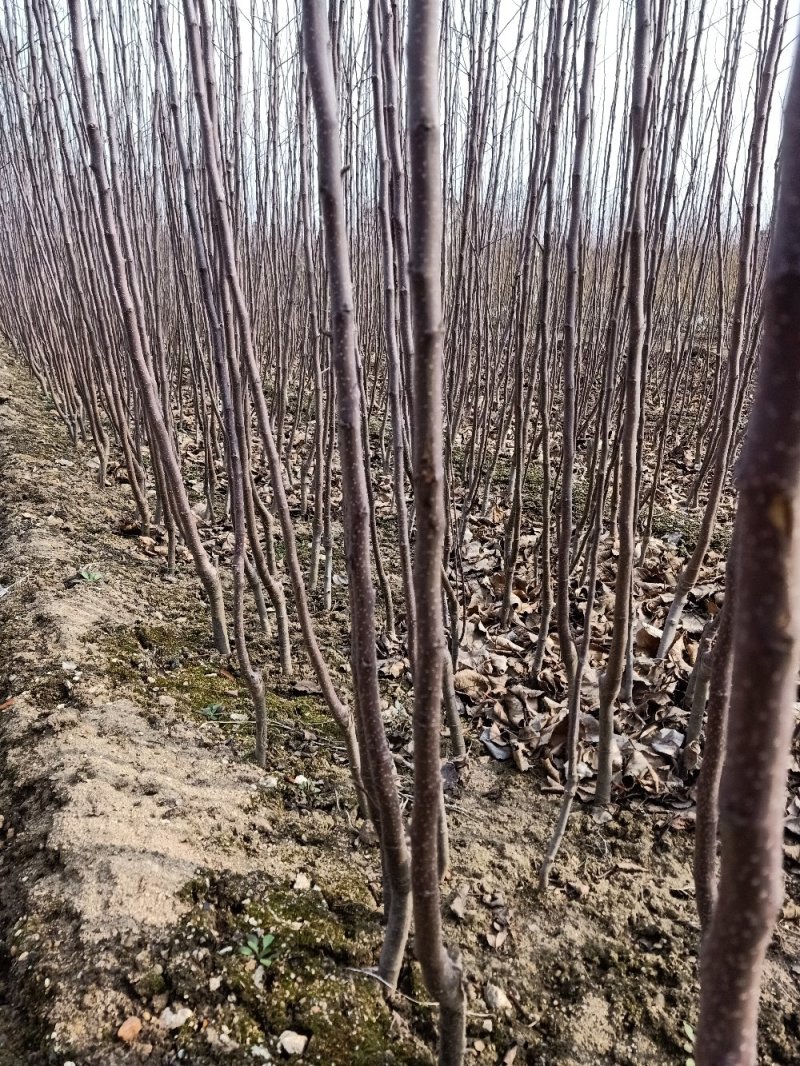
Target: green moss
{"type": "Point", "coordinates": [166, 641]}
{"type": "Point", "coordinates": [338, 920]}
{"type": "Point", "coordinates": [322, 937]}
{"type": "Point", "coordinates": [152, 983]}
{"type": "Point", "coordinates": [303, 711]}
{"type": "Point", "coordinates": [122, 653]}
{"type": "Point", "coordinates": [197, 686]}
{"type": "Point", "coordinates": [312, 988]}
{"type": "Point", "coordinates": [686, 523]}
{"type": "Point", "coordinates": [186, 670]}
{"type": "Point", "coordinates": [135, 653]}
{"type": "Point", "coordinates": [531, 487]}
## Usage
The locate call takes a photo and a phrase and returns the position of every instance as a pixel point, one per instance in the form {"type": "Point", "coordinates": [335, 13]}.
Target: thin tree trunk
{"type": "Point", "coordinates": [441, 969]}
{"type": "Point", "coordinates": [378, 759]}
{"type": "Point", "coordinates": [612, 675]}
{"type": "Point", "coordinates": [766, 653]}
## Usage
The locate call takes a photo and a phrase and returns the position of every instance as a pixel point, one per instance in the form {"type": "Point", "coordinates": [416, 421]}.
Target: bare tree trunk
{"type": "Point", "coordinates": [766, 653]}
{"type": "Point", "coordinates": [584, 115]}
{"type": "Point", "coordinates": [755, 163]}
{"type": "Point", "coordinates": [441, 969]}
{"type": "Point", "coordinates": [707, 814]}
{"type": "Point", "coordinates": [574, 664]}
{"type": "Point", "coordinates": [612, 675]}
{"type": "Point", "coordinates": [127, 300]}
{"type": "Point", "coordinates": [378, 761]}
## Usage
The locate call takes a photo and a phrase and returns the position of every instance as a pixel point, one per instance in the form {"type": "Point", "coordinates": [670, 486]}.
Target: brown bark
{"type": "Point", "coordinates": [766, 653]}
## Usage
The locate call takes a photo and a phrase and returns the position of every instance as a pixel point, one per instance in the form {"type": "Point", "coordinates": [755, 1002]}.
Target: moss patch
{"type": "Point", "coordinates": [159, 660]}
{"type": "Point", "coordinates": [306, 981]}
{"type": "Point", "coordinates": [686, 524]}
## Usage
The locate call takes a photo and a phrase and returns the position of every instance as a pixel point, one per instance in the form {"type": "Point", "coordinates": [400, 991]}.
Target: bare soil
{"type": "Point", "coordinates": [145, 861]}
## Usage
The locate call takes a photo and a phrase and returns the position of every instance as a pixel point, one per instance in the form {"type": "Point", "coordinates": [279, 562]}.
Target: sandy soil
{"type": "Point", "coordinates": [146, 862]}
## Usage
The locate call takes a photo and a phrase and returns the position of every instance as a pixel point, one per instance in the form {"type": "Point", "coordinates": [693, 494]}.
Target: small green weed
{"type": "Point", "coordinates": [259, 948]}
{"type": "Point", "coordinates": [85, 576]}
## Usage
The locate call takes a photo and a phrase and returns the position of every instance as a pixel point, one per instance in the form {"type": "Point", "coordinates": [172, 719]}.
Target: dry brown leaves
{"type": "Point", "coordinates": [521, 719]}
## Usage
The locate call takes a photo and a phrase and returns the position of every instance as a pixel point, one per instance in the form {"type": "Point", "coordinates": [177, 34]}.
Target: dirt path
{"type": "Point", "coordinates": [140, 847]}
{"type": "Point", "coordinates": [110, 803]}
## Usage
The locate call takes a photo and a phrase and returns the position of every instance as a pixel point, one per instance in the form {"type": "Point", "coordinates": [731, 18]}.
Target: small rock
{"type": "Point", "coordinates": [302, 882]}
{"type": "Point", "coordinates": [496, 999]}
{"type": "Point", "coordinates": [305, 688]}
{"type": "Point", "coordinates": [270, 782]}
{"type": "Point", "coordinates": [577, 889]}
{"type": "Point", "coordinates": [214, 983]}
{"type": "Point", "coordinates": [167, 701]}
{"type": "Point", "coordinates": [174, 1019]}
{"type": "Point", "coordinates": [458, 905]}
{"type": "Point", "coordinates": [292, 1043]}
{"type": "Point", "coordinates": [367, 834]}
{"type": "Point", "coordinates": [258, 1051]}
{"type": "Point", "coordinates": [129, 1029]}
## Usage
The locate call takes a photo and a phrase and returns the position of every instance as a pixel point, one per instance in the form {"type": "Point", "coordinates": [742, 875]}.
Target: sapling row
{"type": "Point", "coordinates": [360, 284]}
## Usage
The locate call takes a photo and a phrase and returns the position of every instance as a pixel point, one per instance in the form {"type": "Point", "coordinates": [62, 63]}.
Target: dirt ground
{"type": "Point", "coordinates": [163, 900]}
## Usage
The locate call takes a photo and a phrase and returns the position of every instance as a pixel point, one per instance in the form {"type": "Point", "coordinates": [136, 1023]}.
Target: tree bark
{"type": "Point", "coordinates": [766, 653]}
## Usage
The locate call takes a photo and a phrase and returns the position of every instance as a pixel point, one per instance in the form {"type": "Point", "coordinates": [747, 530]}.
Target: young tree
{"type": "Point", "coordinates": [765, 651]}
{"type": "Point", "coordinates": [441, 969]}
{"type": "Point", "coordinates": [720, 452]}
{"type": "Point", "coordinates": [378, 764]}
{"type": "Point", "coordinates": [130, 300]}
{"type": "Point", "coordinates": [612, 675]}
{"type": "Point", "coordinates": [575, 663]}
